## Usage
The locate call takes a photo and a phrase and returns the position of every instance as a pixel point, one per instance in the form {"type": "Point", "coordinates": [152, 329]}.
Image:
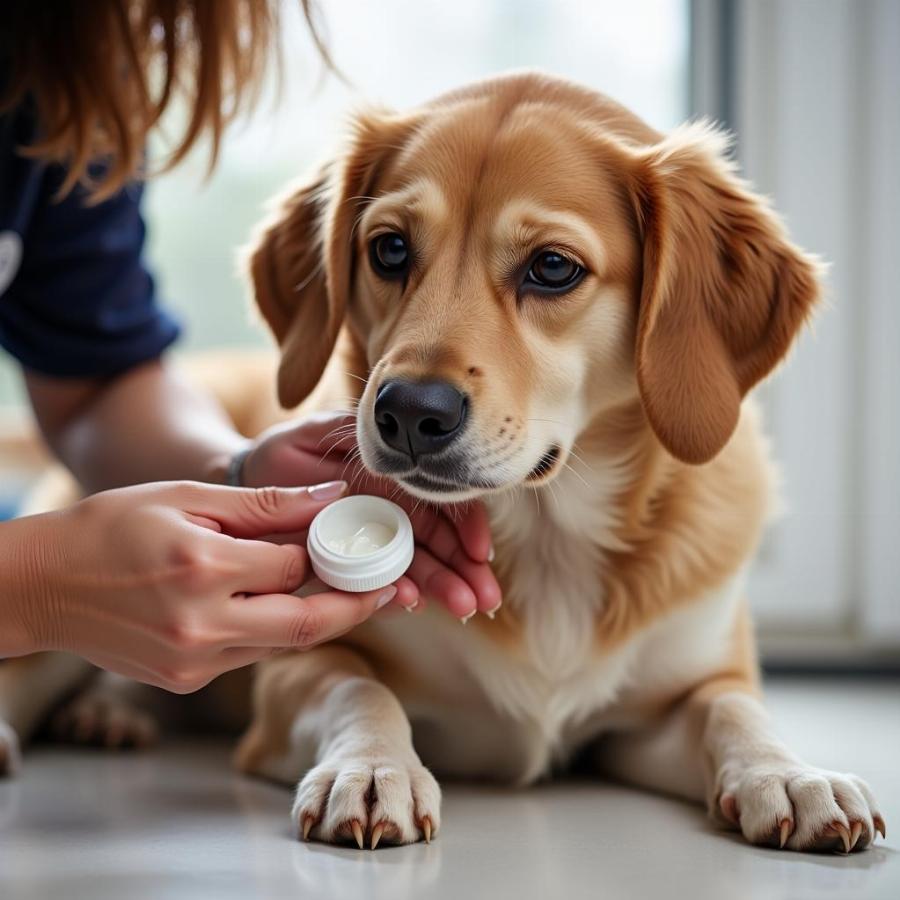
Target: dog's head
{"type": "Point", "coordinates": [514, 261]}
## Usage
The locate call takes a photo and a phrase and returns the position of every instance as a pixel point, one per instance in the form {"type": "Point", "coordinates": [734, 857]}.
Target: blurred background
{"type": "Point", "coordinates": [811, 90]}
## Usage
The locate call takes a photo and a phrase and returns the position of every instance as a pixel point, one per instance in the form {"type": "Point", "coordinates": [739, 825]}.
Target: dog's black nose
{"type": "Point", "coordinates": [419, 417]}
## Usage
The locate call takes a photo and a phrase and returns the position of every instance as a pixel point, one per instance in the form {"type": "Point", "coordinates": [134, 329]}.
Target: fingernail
{"type": "Point", "coordinates": [491, 554]}
{"type": "Point", "coordinates": [493, 612]}
{"type": "Point", "coordinates": [385, 597]}
{"type": "Point", "coordinates": [328, 490]}
{"type": "Point", "coordinates": [411, 606]}
{"type": "Point", "coordinates": [465, 619]}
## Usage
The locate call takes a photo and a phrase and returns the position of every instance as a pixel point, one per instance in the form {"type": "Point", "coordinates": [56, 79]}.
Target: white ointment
{"type": "Point", "coordinates": [365, 540]}
{"type": "Point", "coordinates": [360, 543]}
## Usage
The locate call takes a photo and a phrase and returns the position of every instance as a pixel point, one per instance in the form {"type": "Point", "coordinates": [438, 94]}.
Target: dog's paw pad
{"type": "Point", "coordinates": [99, 721]}
{"type": "Point", "coordinates": [800, 808]}
{"type": "Point", "coordinates": [10, 754]}
{"type": "Point", "coordinates": [368, 803]}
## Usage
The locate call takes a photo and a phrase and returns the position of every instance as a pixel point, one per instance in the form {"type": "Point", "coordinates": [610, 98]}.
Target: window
{"type": "Point", "coordinates": [397, 53]}
{"type": "Point", "coordinates": [810, 89]}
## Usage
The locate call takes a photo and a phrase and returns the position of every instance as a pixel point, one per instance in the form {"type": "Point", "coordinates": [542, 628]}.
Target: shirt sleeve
{"type": "Point", "coordinates": [83, 303]}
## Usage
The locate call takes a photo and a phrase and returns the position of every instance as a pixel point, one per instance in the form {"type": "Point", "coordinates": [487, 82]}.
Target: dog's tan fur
{"type": "Point", "coordinates": [624, 626]}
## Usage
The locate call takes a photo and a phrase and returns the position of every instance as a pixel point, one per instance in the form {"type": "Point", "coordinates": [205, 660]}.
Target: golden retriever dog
{"type": "Point", "coordinates": [540, 301]}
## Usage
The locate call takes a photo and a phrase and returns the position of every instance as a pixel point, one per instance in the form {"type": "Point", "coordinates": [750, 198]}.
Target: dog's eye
{"type": "Point", "coordinates": [551, 271]}
{"type": "Point", "coordinates": [389, 254]}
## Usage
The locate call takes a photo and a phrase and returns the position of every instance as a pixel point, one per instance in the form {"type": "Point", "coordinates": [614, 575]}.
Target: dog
{"type": "Point", "coordinates": [540, 301]}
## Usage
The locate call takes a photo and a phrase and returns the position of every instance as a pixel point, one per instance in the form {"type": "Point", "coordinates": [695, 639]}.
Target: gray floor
{"type": "Point", "coordinates": [175, 823]}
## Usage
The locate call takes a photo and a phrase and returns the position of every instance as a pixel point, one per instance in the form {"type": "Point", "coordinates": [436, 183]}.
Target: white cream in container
{"type": "Point", "coordinates": [360, 543]}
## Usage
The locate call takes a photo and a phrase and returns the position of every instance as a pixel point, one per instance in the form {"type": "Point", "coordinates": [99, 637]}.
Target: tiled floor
{"type": "Point", "coordinates": [176, 824]}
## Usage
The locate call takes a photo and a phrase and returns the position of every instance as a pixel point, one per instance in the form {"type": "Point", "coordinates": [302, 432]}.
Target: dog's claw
{"type": "Point", "coordinates": [356, 828]}
{"type": "Point", "coordinates": [879, 825]}
{"type": "Point", "coordinates": [426, 829]}
{"type": "Point", "coordinates": [308, 822]}
{"type": "Point", "coordinates": [845, 837]}
{"type": "Point", "coordinates": [785, 832]}
{"type": "Point", "coordinates": [855, 832]}
{"type": "Point", "coordinates": [728, 806]}
{"type": "Point", "coordinates": [377, 832]}
{"type": "Point", "coordinates": [838, 829]}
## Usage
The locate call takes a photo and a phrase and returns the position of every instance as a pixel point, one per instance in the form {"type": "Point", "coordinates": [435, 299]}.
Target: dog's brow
{"type": "Point", "coordinates": [422, 199]}
{"type": "Point", "coordinates": [526, 217]}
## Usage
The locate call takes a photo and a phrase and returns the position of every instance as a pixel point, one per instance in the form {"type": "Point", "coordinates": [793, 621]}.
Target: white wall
{"type": "Point", "coordinates": [815, 103]}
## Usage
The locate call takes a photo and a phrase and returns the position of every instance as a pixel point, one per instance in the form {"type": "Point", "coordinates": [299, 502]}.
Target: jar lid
{"type": "Point", "coordinates": [359, 568]}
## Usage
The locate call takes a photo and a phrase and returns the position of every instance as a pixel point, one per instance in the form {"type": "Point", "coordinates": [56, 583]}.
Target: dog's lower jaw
{"type": "Point", "coordinates": [422, 489]}
{"type": "Point", "coordinates": [454, 479]}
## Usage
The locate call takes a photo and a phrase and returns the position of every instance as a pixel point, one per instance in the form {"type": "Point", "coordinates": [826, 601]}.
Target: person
{"type": "Point", "coordinates": [166, 572]}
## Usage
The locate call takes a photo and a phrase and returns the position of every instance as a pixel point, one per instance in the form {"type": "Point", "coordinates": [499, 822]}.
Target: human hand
{"type": "Point", "coordinates": [170, 584]}
{"type": "Point", "coordinates": [453, 545]}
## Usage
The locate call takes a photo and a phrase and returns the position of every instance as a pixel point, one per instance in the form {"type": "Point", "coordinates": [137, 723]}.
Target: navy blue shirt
{"type": "Point", "coordinates": [75, 297]}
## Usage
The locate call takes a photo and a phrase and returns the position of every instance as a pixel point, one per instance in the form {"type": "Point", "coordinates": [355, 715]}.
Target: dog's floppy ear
{"type": "Point", "coordinates": [287, 269]}
{"type": "Point", "coordinates": [723, 293]}
{"type": "Point", "coordinates": [301, 261]}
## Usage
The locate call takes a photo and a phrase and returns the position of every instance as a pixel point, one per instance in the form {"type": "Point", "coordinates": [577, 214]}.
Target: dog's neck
{"type": "Point", "coordinates": [612, 474]}
{"type": "Point", "coordinates": [553, 541]}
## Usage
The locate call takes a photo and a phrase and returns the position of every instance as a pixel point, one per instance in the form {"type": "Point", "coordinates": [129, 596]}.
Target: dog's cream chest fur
{"type": "Point", "coordinates": [545, 702]}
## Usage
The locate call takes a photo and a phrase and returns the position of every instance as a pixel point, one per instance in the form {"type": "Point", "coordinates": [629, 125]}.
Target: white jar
{"type": "Point", "coordinates": [360, 543]}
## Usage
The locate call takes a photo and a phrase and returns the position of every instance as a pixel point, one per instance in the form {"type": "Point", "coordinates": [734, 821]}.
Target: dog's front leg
{"type": "Point", "coordinates": [30, 687]}
{"type": "Point", "coordinates": [322, 715]}
{"type": "Point", "coordinates": [718, 743]}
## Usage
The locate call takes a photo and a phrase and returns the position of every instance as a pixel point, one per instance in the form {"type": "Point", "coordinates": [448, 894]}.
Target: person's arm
{"type": "Point", "coordinates": [169, 583]}
{"type": "Point", "coordinates": [148, 424]}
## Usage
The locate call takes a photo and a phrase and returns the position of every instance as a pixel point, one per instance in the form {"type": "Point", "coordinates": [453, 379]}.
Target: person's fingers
{"type": "Point", "coordinates": [289, 537]}
{"type": "Point", "coordinates": [433, 531]}
{"type": "Point", "coordinates": [259, 567]}
{"type": "Point", "coordinates": [238, 657]}
{"type": "Point", "coordinates": [443, 542]}
{"type": "Point", "coordinates": [282, 620]}
{"type": "Point", "coordinates": [435, 579]}
{"type": "Point", "coordinates": [473, 527]}
{"type": "Point", "coordinates": [480, 578]}
{"type": "Point", "coordinates": [125, 667]}
{"type": "Point", "coordinates": [288, 456]}
{"type": "Point", "coordinates": [326, 432]}
{"type": "Point", "coordinates": [407, 593]}
{"type": "Point", "coordinates": [204, 522]}
{"type": "Point", "coordinates": [177, 679]}
{"type": "Point", "coordinates": [249, 512]}
{"type": "Point", "coordinates": [464, 524]}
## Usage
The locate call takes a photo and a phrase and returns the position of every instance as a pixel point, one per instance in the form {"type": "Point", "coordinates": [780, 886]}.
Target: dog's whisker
{"type": "Point", "coordinates": [584, 481]}
{"type": "Point", "coordinates": [332, 448]}
{"type": "Point", "coordinates": [549, 421]}
{"type": "Point", "coordinates": [578, 459]}
{"type": "Point", "coordinates": [339, 431]}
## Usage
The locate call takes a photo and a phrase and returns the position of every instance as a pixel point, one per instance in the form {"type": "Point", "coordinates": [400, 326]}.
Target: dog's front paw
{"type": "Point", "coordinates": [10, 754]}
{"type": "Point", "coordinates": [800, 807]}
{"type": "Point", "coordinates": [96, 719]}
{"type": "Point", "coordinates": [385, 799]}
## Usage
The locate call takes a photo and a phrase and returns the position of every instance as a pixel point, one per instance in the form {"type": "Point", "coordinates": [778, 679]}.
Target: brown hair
{"type": "Point", "coordinates": [101, 75]}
